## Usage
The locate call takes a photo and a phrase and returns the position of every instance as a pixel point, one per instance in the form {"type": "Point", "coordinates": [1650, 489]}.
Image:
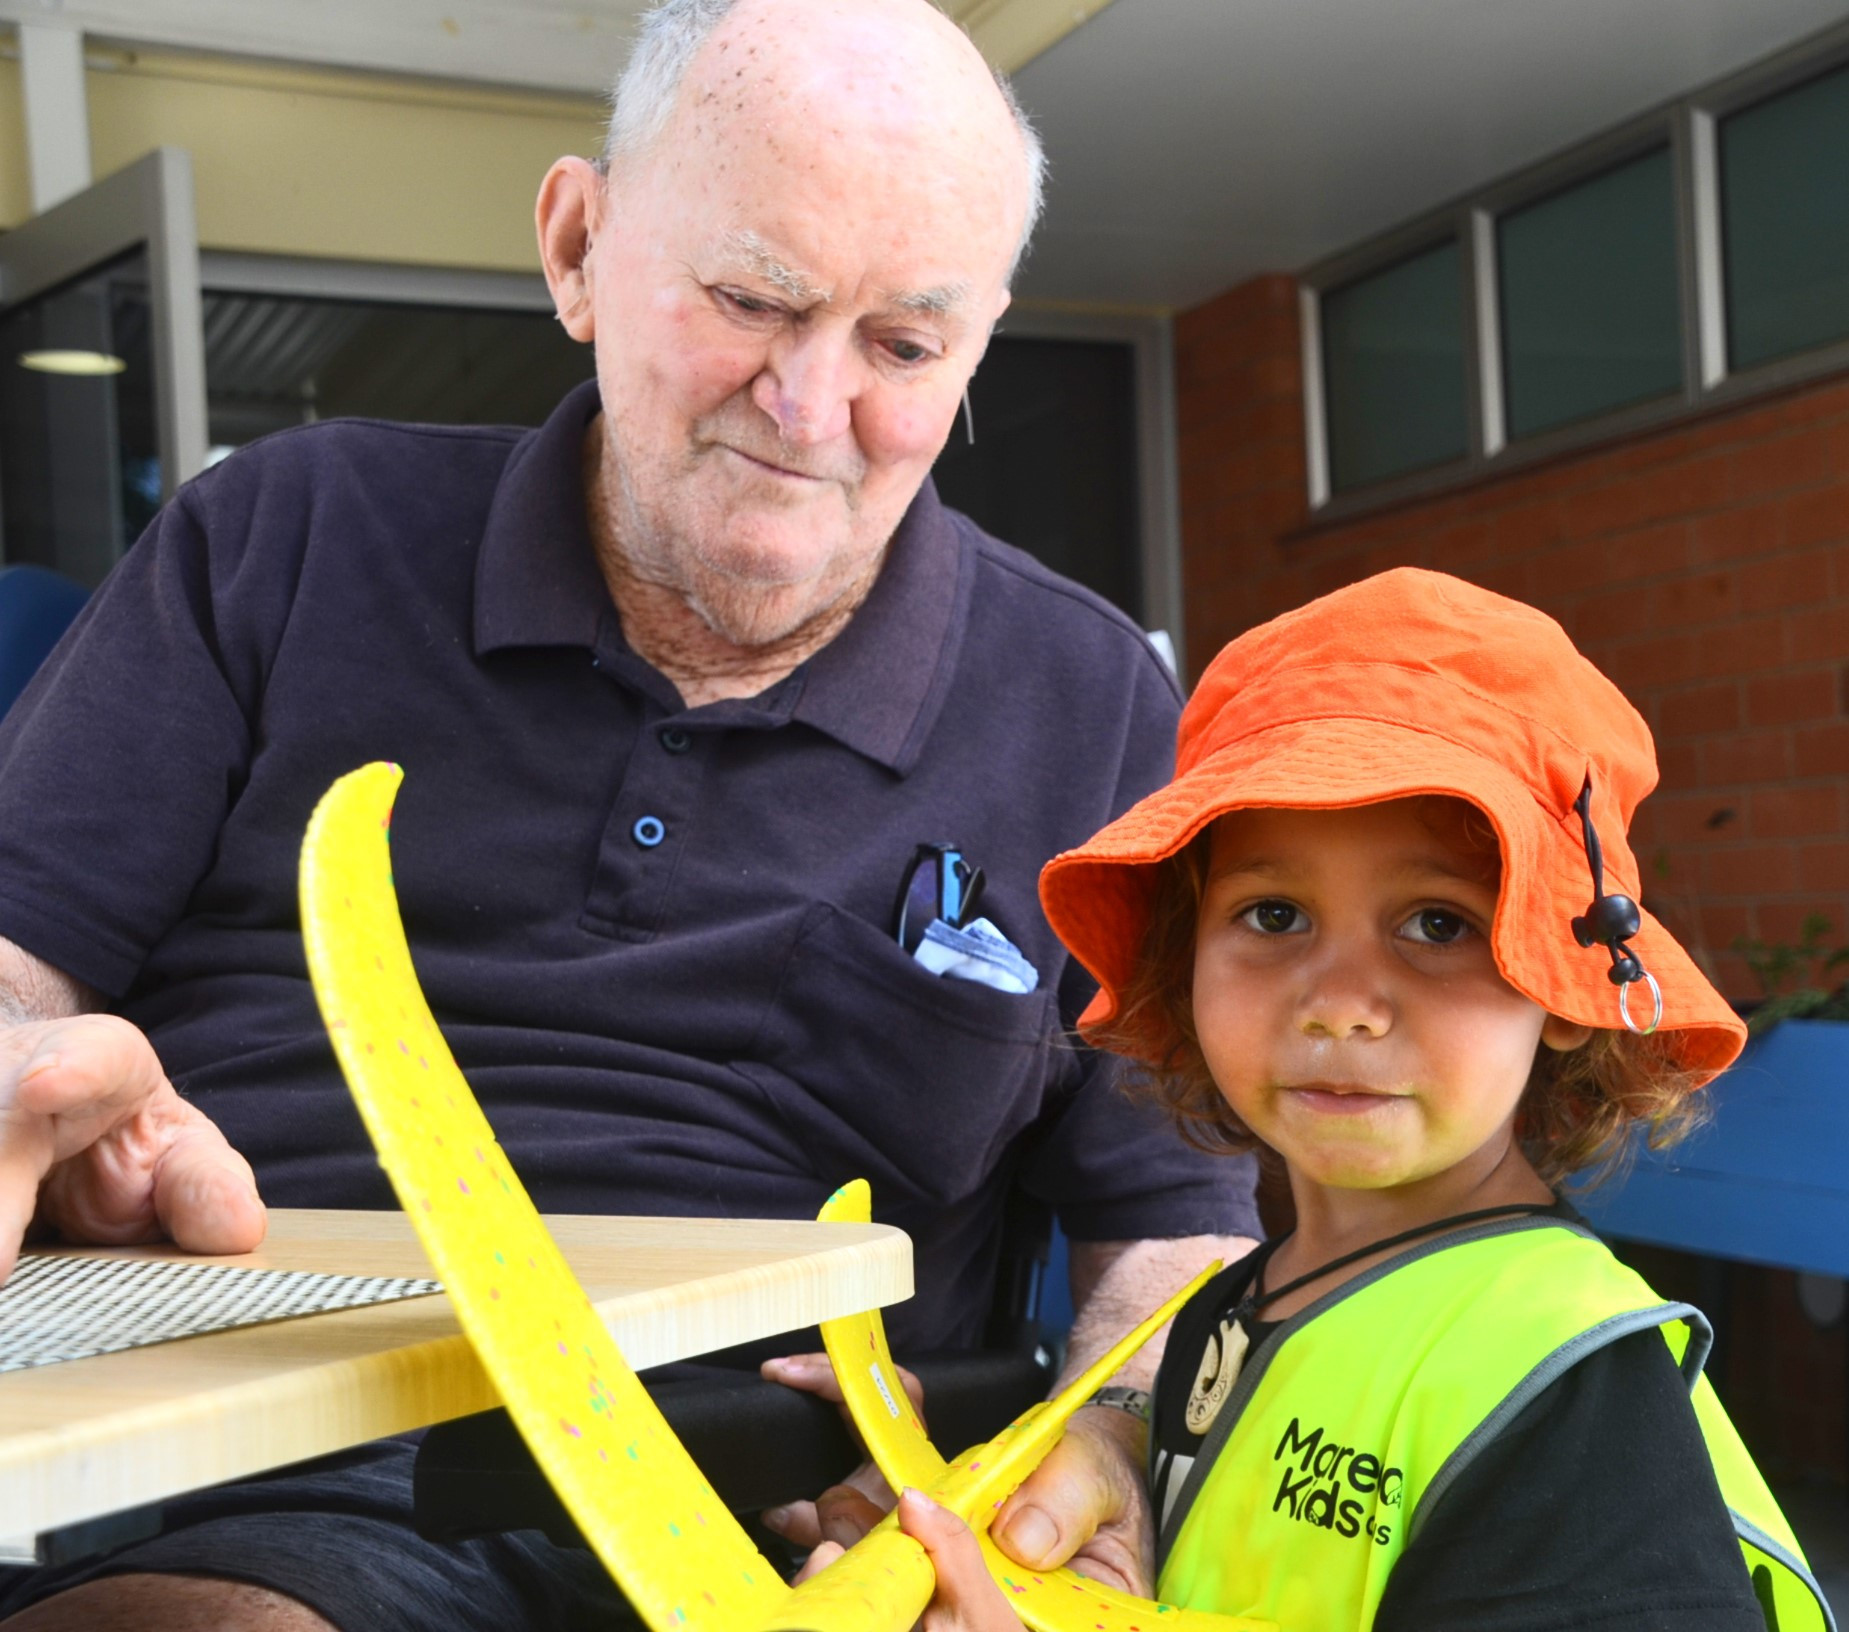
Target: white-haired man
{"type": "Point", "coordinates": [682, 682]}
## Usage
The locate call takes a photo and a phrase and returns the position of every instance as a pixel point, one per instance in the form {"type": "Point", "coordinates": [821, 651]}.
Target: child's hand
{"type": "Point", "coordinates": [967, 1598]}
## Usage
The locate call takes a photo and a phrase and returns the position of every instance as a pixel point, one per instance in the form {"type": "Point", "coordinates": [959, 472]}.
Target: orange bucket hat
{"type": "Point", "coordinates": [1405, 684]}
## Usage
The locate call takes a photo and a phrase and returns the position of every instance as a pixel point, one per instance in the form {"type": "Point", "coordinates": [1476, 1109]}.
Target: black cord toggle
{"type": "Point", "coordinates": [1611, 920]}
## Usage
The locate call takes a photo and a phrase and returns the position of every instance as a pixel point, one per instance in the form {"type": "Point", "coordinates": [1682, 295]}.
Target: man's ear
{"type": "Point", "coordinates": [570, 209]}
{"type": "Point", "coordinates": [1563, 1036]}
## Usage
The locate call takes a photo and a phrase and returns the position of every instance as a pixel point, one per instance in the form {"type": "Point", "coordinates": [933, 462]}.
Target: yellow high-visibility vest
{"type": "Point", "coordinates": [1347, 1428]}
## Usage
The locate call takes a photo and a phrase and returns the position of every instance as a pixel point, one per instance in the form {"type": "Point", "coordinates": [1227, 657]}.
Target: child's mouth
{"type": "Point", "coordinates": [1340, 1098]}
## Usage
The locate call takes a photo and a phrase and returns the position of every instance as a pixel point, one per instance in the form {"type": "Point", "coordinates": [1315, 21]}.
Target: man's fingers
{"type": "Point", "coordinates": [84, 1073]}
{"type": "Point", "coordinates": [205, 1195]}
{"type": "Point", "coordinates": [817, 1561]}
{"type": "Point", "coordinates": [95, 1143]}
{"type": "Point", "coordinates": [63, 1084]}
{"type": "Point", "coordinates": [808, 1373]}
{"type": "Point", "coordinates": [795, 1522]}
{"type": "Point", "coordinates": [845, 1514]}
{"type": "Point", "coordinates": [815, 1374]}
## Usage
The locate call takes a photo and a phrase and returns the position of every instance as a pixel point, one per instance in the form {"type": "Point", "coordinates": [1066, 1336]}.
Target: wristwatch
{"type": "Point", "coordinates": [1133, 1400]}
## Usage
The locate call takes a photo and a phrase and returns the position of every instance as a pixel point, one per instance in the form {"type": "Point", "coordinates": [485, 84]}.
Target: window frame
{"type": "Point", "coordinates": [1690, 127]}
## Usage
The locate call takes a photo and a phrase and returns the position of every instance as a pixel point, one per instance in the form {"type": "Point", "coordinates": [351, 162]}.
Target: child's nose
{"type": "Point", "coordinates": [1345, 998]}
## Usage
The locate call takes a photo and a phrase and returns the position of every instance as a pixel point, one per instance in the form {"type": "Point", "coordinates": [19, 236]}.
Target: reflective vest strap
{"type": "Point", "coordinates": [1788, 1593]}
{"type": "Point", "coordinates": [1668, 1317]}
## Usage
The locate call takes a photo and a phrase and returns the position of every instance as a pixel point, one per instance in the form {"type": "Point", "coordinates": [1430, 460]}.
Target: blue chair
{"type": "Point", "coordinates": [36, 607]}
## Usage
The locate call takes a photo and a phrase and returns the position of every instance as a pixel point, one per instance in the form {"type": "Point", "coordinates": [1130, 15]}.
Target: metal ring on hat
{"type": "Point", "coordinates": [1624, 1006]}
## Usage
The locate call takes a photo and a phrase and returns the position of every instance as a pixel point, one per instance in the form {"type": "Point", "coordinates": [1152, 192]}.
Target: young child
{"type": "Point", "coordinates": [1382, 925]}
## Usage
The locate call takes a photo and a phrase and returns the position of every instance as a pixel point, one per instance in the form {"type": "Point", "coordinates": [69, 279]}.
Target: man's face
{"type": "Point", "coordinates": [789, 292]}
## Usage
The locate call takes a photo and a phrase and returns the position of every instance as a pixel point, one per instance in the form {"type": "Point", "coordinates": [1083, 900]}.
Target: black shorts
{"type": "Point", "coordinates": [336, 1534]}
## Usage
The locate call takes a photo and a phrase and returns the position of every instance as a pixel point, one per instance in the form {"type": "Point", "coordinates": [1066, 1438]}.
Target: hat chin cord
{"type": "Point", "coordinates": [1610, 922]}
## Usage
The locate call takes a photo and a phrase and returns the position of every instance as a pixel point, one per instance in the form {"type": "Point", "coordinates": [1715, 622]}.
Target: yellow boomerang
{"type": "Point", "coordinates": [638, 1497]}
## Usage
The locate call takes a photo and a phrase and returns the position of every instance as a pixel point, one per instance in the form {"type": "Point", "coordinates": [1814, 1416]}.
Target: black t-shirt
{"type": "Point", "coordinates": [1596, 1506]}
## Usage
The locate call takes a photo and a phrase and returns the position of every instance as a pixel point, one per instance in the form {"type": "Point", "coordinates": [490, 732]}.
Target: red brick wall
{"type": "Point", "coordinates": [1704, 567]}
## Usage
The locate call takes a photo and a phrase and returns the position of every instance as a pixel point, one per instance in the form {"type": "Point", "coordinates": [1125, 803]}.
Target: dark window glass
{"type": "Point", "coordinates": [80, 468]}
{"type": "Point", "coordinates": [1591, 303]}
{"type": "Point", "coordinates": [1053, 465]}
{"type": "Point", "coordinates": [1785, 221]}
{"type": "Point", "coordinates": [273, 361]}
{"type": "Point", "coordinates": [1393, 366]}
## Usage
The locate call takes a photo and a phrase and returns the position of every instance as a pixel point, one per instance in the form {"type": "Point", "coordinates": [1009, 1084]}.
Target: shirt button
{"type": "Point", "coordinates": [649, 831]}
{"type": "Point", "coordinates": [675, 740]}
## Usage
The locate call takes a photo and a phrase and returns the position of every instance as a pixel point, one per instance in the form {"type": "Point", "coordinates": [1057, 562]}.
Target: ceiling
{"type": "Point", "coordinates": [569, 46]}
{"type": "Point", "coordinates": [1196, 143]}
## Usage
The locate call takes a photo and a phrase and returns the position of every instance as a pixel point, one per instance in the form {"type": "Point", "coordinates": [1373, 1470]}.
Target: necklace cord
{"type": "Point", "coordinates": [1254, 1300]}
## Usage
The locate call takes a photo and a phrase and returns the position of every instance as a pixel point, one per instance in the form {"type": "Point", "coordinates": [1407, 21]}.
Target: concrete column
{"type": "Point", "coordinates": [57, 112]}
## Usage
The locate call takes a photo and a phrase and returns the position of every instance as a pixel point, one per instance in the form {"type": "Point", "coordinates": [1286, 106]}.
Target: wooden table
{"type": "Point", "coordinates": [118, 1431]}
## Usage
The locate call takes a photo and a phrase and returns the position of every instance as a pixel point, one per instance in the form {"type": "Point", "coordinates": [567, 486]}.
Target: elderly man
{"type": "Point", "coordinates": [681, 682]}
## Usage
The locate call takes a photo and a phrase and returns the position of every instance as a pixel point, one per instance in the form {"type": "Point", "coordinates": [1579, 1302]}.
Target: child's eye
{"type": "Point", "coordinates": [1436, 927]}
{"type": "Point", "coordinates": [1275, 918]}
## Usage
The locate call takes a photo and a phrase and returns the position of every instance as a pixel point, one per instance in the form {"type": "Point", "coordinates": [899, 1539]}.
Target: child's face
{"type": "Point", "coordinates": [1345, 996]}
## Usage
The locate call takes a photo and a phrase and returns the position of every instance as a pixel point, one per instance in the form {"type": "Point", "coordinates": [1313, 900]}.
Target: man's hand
{"type": "Point", "coordinates": [1086, 1505]}
{"type": "Point", "coordinates": [96, 1146]}
{"type": "Point", "coordinates": [847, 1511]}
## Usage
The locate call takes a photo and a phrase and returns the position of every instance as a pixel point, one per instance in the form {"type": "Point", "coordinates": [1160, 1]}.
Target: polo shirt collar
{"type": "Point", "coordinates": [879, 685]}
{"type": "Point", "coordinates": [876, 688]}
{"type": "Point", "coordinates": [537, 582]}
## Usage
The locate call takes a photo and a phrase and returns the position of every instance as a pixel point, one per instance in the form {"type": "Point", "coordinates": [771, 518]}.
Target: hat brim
{"type": "Point", "coordinates": [1098, 897]}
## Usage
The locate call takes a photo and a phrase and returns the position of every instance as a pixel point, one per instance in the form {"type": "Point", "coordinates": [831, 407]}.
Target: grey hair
{"type": "Point", "coordinates": [668, 38]}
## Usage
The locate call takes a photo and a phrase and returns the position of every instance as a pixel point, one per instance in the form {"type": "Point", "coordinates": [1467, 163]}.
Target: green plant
{"type": "Point", "coordinates": [1776, 964]}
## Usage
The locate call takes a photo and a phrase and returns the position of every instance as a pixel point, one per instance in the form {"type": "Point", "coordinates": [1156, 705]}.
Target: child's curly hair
{"type": "Point", "coordinates": [1577, 1112]}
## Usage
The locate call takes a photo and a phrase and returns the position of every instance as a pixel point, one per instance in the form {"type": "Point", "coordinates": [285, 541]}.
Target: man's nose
{"type": "Point", "coordinates": [808, 385]}
{"type": "Point", "coordinates": [1346, 996]}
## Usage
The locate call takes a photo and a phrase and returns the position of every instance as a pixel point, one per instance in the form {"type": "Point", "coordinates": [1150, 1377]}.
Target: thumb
{"type": "Point", "coordinates": [205, 1195]}
{"type": "Point", "coordinates": [1057, 1508]}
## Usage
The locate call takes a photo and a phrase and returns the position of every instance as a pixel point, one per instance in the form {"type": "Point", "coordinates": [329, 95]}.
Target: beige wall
{"type": "Point", "coordinates": [349, 166]}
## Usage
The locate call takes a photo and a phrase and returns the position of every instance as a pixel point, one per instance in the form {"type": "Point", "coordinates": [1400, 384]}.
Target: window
{"type": "Point", "coordinates": [1784, 182]}
{"type": "Point", "coordinates": [1052, 467]}
{"type": "Point", "coordinates": [1697, 255]}
{"type": "Point", "coordinates": [276, 360]}
{"type": "Point", "coordinates": [1393, 360]}
{"type": "Point", "coordinates": [1591, 316]}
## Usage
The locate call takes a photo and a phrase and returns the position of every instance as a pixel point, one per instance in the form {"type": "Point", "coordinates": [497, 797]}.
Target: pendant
{"type": "Point", "coordinates": [1220, 1363]}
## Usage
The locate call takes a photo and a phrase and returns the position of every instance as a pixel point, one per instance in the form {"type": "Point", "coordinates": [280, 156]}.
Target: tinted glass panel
{"type": "Point", "coordinates": [1053, 466]}
{"type": "Point", "coordinates": [1393, 364]}
{"type": "Point", "coordinates": [273, 361]}
{"type": "Point", "coordinates": [79, 460]}
{"type": "Point", "coordinates": [1785, 221]}
{"type": "Point", "coordinates": [1591, 303]}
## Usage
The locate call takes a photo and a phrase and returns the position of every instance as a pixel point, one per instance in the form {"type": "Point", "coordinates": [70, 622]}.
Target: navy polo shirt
{"type": "Point", "coordinates": [657, 938]}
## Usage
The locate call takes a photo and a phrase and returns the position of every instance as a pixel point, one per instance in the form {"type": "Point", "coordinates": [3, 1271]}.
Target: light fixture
{"type": "Point", "coordinates": [71, 362]}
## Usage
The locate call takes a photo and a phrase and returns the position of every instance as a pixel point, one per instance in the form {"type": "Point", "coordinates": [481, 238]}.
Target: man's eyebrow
{"type": "Point", "coordinates": [748, 247]}
{"type": "Point", "coordinates": [939, 302]}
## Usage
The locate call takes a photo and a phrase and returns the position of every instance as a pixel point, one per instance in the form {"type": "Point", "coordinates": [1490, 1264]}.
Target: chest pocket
{"type": "Point", "coordinates": [886, 1071]}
